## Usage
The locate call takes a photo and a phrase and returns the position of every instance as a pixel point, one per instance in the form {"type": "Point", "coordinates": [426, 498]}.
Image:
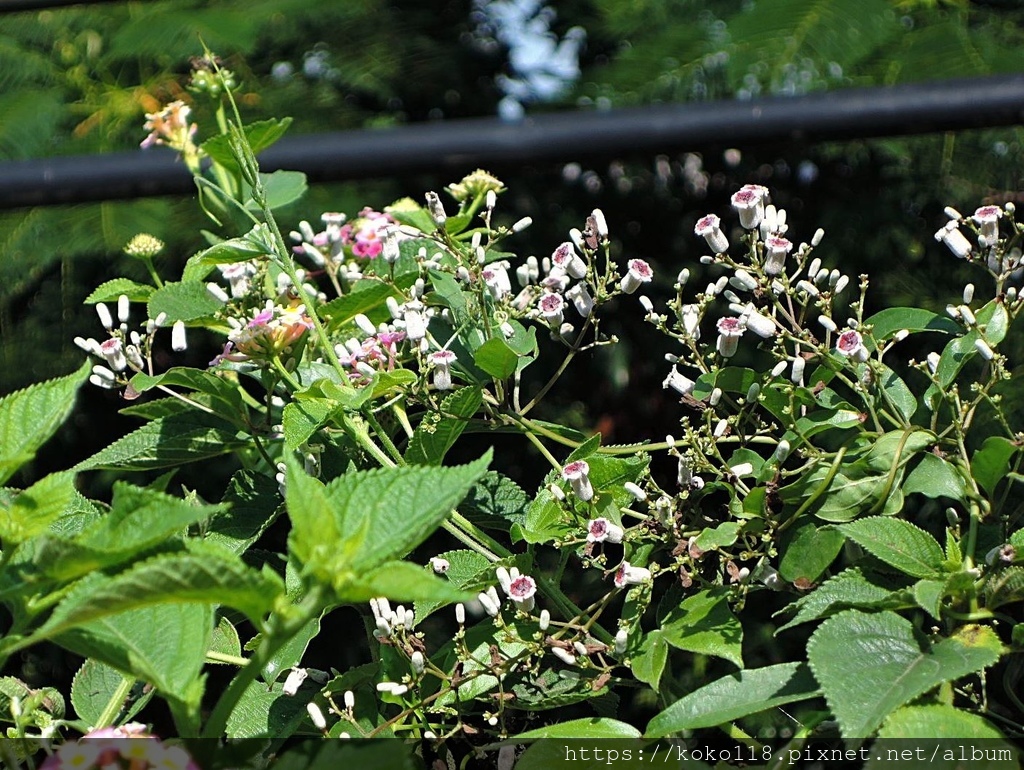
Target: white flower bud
{"type": "Point", "coordinates": [350, 699]}
{"type": "Point", "coordinates": [105, 318]}
{"type": "Point", "coordinates": [460, 613]}
{"type": "Point", "coordinates": [986, 352]}
{"type": "Point", "coordinates": [779, 368]}
{"type": "Point", "coordinates": [522, 224]}
{"type": "Point", "coordinates": [841, 284]}
{"type": "Point", "coordinates": [933, 361]}
{"type": "Point", "coordinates": [797, 374]}
{"type": "Point", "coordinates": [417, 662]}
{"type": "Point", "coordinates": [967, 315]}
{"type": "Point", "coordinates": [122, 308]}
{"type": "Point", "coordinates": [178, 339]}
{"type": "Point", "coordinates": [827, 323]}
{"type": "Point", "coordinates": [968, 293]}
{"type": "Point", "coordinates": [818, 235]}
{"type": "Point", "coordinates": [545, 620]}
{"type": "Point", "coordinates": [633, 489]}
{"type": "Point", "coordinates": [621, 637]}
{"type": "Point", "coordinates": [564, 655]}
{"type": "Point", "coordinates": [316, 716]}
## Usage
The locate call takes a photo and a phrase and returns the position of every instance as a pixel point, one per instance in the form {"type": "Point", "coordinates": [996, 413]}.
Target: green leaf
{"type": "Point", "coordinates": [928, 594]}
{"type": "Point", "coordinates": [1004, 587]}
{"type": "Point", "coordinates": [266, 712]}
{"type": "Point", "coordinates": [496, 358]}
{"type": "Point", "coordinates": [885, 324]}
{"type": "Point", "coordinates": [850, 588]}
{"type": "Point", "coordinates": [206, 575]}
{"type": "Point", "coordinates": [545, 519]}
{"type": "Point", "coordinates": [291, 652]}
{"type": "Point", "coordinates": [991, 463]}
{"type": "Point", "coordinates": [495, 500]}
{"type": "Point", "coordinates": [940, 721]}
{"type": "Point", "coordinates": [258, 243]}
{"type": "Point", "coordinates": [397, 508]}
{"type": "Point", "coordinates": [994, 321]}
{"type": "Point", "coordinates": [934, 477]}
{"type": "Point", "coordinates": [809, 552]}
{"type": "Point", "coordinates": [703, 623]}
{"type": "Point", "coordinates": [260, 135]}
{"type": "Point", "coordinates": [731, 379]}
{"type": "Point", "coordinates": [648, 664]}
{"type": "Point", "coordinates": [899, 544]}
{"type": "Point", "coordinates": [93, 687]}
{"type": "Point", "coordinates": [735, 696]}
{"type": "Point", "coordinates": [367, 296]}
{"type": "Point", "coordinates": [224, 394]}
{"type": "Point", "coordinates": [112, 290]}
{"type": "Point", "coordinates": [722, 536]}
{"type": "Point", "coordinates": [581, 728]}
{"type": "Point", "coordinates": [168, 442]}
{"type": "Point", "coordinates": [254, 502]}
{"type": "Point", "coordinates": [897, 392]}
{"type": "Point", "coordinates": [139, 519]}
{"type": "Point", "coordinates": [281, 188]}
{"type": "Point", "coordinates": [170, 660]}
{"type": "Point", "coordinates": [315, 536]}
{"type": "Point", "coordinates": [869, 665]}
{"type": "Point", "coordinates": [301, 418]}
{"type": "Point", "coordinates": [29, 417]}
{"type": "Point", "coordinates": [183, 301]}
{"type": "Point", "coordinates": [438, 431]}
{"type": "Point", "coordinates": [37, 507]}
{"type": "Point", "coordinates": [225, 641]}
{"type": "Point", "coordinates": [401, 581]}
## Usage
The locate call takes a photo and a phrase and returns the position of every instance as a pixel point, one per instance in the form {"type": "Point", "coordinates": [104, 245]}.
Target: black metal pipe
{"type": "Point", "coordinates": [456, 147]}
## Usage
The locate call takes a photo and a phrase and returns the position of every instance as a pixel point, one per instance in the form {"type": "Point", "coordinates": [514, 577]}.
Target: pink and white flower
{"type": "Point", "coordinates": [775, 250]}
{"type": "Point", "coordinates": [628, 575]}
{"type": "Point", "coordinates": [987, 218]}
{"type": "Point", "coordinates": [639, 273]}
{"type": "Point", "coordinates": [851, 345]}
{"type": "Point", "coordinates": [567, 260]}
{"type": "Point", "coordinates": [954, 240]}
{"type": "Point", "coordinates": [601, 530]}
{"type": "Point", "coordinates": [710, 229]}
{"type": "Point", "coordinates": [577, 474]}
{"type": "Point", "coordinates": [729, 332]}
{"type": "Point", "coordinates": [749, 204]}
{"type": "Point", "coordinates": [550, 307]}
{"type": "Point", "coordinates": [442, 361]}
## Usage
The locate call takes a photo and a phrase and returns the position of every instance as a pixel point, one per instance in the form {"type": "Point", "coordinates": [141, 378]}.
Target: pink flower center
{"type": "Point", "coordinates": [523, 587]}
{"type": "Point", "coordinates": [551, 303]}
{"type": "Point", "coordinates": [576, 469]}
{"type": "Point", "coordinates": [640, 269]}
{"type": "Point", "coordinates": [849, 342]}
{"type": "Point", "coordinates": [706, 224]}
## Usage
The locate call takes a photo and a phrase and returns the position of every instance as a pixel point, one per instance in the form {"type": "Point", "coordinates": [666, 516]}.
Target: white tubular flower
{"type": "Point", "coordinates": [954, 240]}
{"type": "Point", "coordinates": [102, 377]}
{"type": "Point", "coordinates": [601, 530]}
{"type": "Point", "coordinates": [316, 716]}
{"type": "Point", "coordinates": [113, 351]}
{"type": "Point", "coordinates": [968, 315]}
{"type": "Point", "coordinates": [781, 451]}
{"type": "Point", "coordinates": [522, 224]}
{"type": "Point", "coordinates": [217, 292]}
{"type": "Point", "coordinates": [436, 209]}
{"type": "Point", "coordinates": [743, 280]}
{"type": "Point", "coordinates": [439, 565]}
{"type": "Point", "coordinates": [417, 662]}
{"type": "Point", "coordinates": [796, 374]}
{"type": "Point", "coordinates": [556, 492]}
{"type": "Point", "coordinates": [365, 325]}
{"type": "Point", "coordinates": [90, 346]}
{"type": "Point", "coordinates": [489, 606]}
{"type": "Point", "coordinates": [295, 679]}
{"type": "Point", "coordinates": [442, 361]}
{"type": "Point", "coordinates": [982, 347]}
{"type": "Point", "coordinates": [779, 368]}
{"type": "Point", "coordinates": [679, 382]}
{"type": "Point", "coordinates": [567, 260]}
{"type": "Point", "coordinates": [122, 308]}
{"type": "Point", "coordinates": [851, 345]}
{"type": "Point", "coordinates": [761, 325]}
{"type": "Point", "coordinates": [564, 655]}
{"type": "Point", "coordinates": [105, 318]}
{"type": "Point", "coordinates": [496, 279]}
{"type": "Point", "coordinates": [691, 321]}
{"type": "Point", "coordinates": [460, 613]}
{"type": "Point", "coordinates": [504, 577]}
{"type": "Point", "coordinates": [933, 361]}
{"type": "Point", "coordinates": [841, 284]}
{"type": "Point", "coordinates": [577, 474]}
{"type": "Point", "coordinates": [639, 272]}
{"type": "Point", "coordinates": [775, 250]}
{"type": "Point", "coordinates": [716, 396]}
{"type": "Point", "coordinates": [635, 490]}
{"type": "Point", "coordinates": [729, 332]}
{"type": "Point", "coordinates": [827, 323]}
{"type": "Point", "coordinates": [749, 204]}
{"type": "Point", "coordinates": [581, 299]}
{"type": "Point", "coordinates": [628, 575]}
{"type": "Point", "coordinates": [968, 293]}
{"type": "Point", "coordinates": [600, 224]}
{"type": "Point", "coordinates": [415, 320]}
{"type": "Point", "coordinates": [551, 307]}
{"type": "Point", "coordinates": [134, 358]}
{"type": "Point", "coordinates": [710, 229]}
{"type": "Point", "coordinates": [178, 340]}
{"type": "Point", "coordinates": [545, 620]}
{"type": "Point", "coordinates": [808, 288]}
{"type": "Point", "coordinates": [621, 637]}
{"type": "Point", "coordinates": [987, 218]}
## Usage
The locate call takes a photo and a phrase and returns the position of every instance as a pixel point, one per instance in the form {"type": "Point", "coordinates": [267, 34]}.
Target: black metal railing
{"type": "Point", "coordinates": [458, 146]}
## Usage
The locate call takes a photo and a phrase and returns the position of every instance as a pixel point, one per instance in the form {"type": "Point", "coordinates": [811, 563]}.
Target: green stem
{"type": "Point", "coordinates": [116, 703]}
{"type": "Point", "coordinates": [824, 485]}
{"type": "Point", "coordinates": [221, 657]}
{"type": "Point", "coordinates": [271, 642]}
{"type": "Point", "coordinates": [385, 439]}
